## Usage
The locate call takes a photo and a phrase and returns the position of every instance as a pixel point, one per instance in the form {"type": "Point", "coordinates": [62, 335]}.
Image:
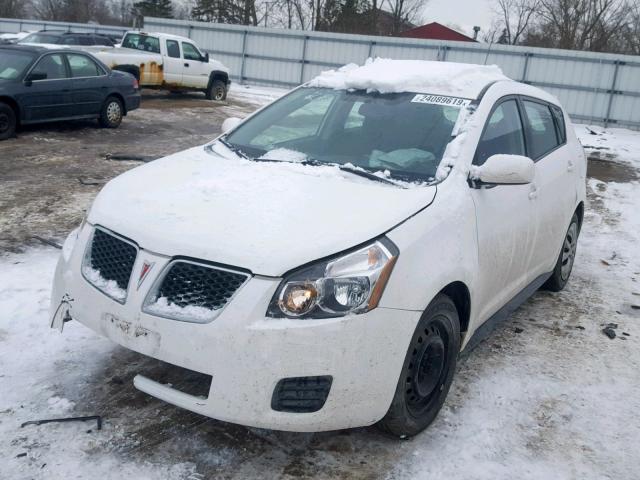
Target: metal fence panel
{"type": "Point", "coordinates": [594, 87]}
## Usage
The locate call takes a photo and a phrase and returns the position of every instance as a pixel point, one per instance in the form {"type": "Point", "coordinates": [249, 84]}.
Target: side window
{"type": "Point", "coordinates": [82, 66]}
{"type": "Point", "coordinates": [190, 52]}
{"type": "Point", "coordinates": [173, 49]}
{"type": "Point", "coordinates": [503, 133]}
{"type": "Point", "coordinates": [541, 128]}
{"type": "Point", "coordinates": [52, 66]}
{"type": "Point", "coordinates": [559, 117]}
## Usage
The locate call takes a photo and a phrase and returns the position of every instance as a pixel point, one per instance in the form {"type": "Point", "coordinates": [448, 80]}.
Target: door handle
{"type": "Point", "coordinates": [186, 65]}
{"type": "Point", "coordinates": [533, 194]}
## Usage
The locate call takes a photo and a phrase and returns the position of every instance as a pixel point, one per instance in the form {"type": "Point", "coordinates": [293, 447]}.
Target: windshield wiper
{"type": "Point", "coordinates": [233, 148]}
{"type": "Point", "coordinates": [366, 174]}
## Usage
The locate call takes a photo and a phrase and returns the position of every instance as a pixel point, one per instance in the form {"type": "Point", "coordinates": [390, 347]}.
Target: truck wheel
{"type": "Point", "coordinates": [7, 121]}
{"type": "Point", "coordinates": [217, 91]}
{"type": "Point", "coordinates": [112, 113]}
{"type": "Point", "coordinates": [427, 372]}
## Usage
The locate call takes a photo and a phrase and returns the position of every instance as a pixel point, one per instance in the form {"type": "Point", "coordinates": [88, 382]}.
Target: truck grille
{"type": "Point", "coordinates": [112, 258]}
{"type": "Point", "coordinates": [192, 287]}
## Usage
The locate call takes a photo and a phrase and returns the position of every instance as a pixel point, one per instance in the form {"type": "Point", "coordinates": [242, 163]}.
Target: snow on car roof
{"type": "Point", "coordinates": [421, 76]}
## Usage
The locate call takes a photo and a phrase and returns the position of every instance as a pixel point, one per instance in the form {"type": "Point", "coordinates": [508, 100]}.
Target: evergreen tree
{"type": "Point", "coordinates": [153, 8]}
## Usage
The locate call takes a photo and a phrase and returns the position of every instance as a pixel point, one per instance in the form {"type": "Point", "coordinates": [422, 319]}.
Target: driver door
{"type": "Point", "coordinates": [196, 72]}
{"type": "Point", "coordinates": [49, 98]}
{"type": "Point", "coordinates": [505, 215]}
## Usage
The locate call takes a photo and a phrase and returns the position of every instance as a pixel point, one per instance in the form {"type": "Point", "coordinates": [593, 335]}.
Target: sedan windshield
{"type": "Point", "coordinates": [13, 64]}
{"type": "Point", "coordinates": [41, 38]}
{"type": "Point", "coordinates": [404, 134]}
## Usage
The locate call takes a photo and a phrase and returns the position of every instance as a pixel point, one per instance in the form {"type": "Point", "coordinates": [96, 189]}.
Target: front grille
{"type": "Point", "coordinates": [194, 285]}
{"type": "Point", "coordinates": [301, 394]}
{"type": "Point", "coordinates": [112, 257]}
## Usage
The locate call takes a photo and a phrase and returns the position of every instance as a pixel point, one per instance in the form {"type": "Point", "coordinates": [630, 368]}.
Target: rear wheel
{"type": "Point", "coordinates": [7, 121]}
{"type": "Point", "coordinates": [427, 372]}
{"type": "Point", "coordinates": [217, 91]}
{"type": "Point", "coordinates": [564, 264]}
{"type": "Point", "coordinates": [112, 113]}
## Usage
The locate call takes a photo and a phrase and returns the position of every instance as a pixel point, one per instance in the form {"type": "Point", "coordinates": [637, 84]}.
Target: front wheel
{"type": "Point", "coordinates": [217, 91]}
{"type": "Point", "coordinates": [564, 263]}
{"type": "Point", "coordinates": [112, 113]}
{"type": "Point", "coordinates": [427, 372]}
{"type": "Point", "coordinates": [7, 121]}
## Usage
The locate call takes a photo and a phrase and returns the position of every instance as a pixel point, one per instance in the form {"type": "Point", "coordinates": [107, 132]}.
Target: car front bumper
{"type": "Point", "coordinates": [247, 353]}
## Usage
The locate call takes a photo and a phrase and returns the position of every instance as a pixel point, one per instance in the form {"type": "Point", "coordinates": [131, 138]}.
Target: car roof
{"type": "Point", "coordinates": [66, 32]}
{"type": "Point", "coordinates": [42, 48]}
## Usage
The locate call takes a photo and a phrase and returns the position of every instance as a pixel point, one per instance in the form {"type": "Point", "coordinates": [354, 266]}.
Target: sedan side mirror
{"type": "Point", "coordinates": [504, 170]}
{"type": "Point", "coordinates": [34, 77]}
{"type": "Point", "coordinates": [230, 123]}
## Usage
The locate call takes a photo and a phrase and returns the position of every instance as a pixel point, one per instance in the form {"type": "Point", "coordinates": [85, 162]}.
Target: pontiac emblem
{"type": "Point", "coordinates": [144, 271]}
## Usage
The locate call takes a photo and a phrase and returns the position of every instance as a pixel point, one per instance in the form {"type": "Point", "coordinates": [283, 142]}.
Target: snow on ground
{"type": "Point", "coordinates": [548, 395]}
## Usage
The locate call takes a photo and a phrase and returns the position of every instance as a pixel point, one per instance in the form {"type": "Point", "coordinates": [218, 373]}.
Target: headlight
{"type": "Point", "coordinates": [351, 283]}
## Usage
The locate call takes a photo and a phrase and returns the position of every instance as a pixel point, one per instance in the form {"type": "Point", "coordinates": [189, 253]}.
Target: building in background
{"type": "Point", "coordinates": [436, 31]}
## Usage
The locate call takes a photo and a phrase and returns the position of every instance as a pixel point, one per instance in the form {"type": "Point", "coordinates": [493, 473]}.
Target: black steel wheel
{"type": "Point", "coordinates": [564, 264]}
{"type": "Point", "coordinates": [427, 372]}
{"type": "Point", "coordinates": [7, 121]}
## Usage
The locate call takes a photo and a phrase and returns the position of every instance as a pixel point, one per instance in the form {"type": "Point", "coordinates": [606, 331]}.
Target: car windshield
{"type": "Point", "coordinates": [13, 64]}
{"type": "Point", "coordinates": [41, 38]}
{"type": "Point", "coordinates": [141, 42]}
{"type": "Point", "coordinates": [404, 134]}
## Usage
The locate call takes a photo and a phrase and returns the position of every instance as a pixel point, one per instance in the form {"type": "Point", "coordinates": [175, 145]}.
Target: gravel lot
{"type": "Point", "coordinates": [546, 396]}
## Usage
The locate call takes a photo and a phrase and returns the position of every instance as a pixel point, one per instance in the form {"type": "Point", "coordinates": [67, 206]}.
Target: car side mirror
{"type": "Point", "coordinates": [230, 123]}
{"type": "Point", "coordinates": [205, 58]}
{"type": "Point", "coordinates": [503, 169]}
{"type": "Point", "coordinates": [34, 77]}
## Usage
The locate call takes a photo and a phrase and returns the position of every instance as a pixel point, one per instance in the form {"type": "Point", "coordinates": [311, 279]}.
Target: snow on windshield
{"type": "Point", "coordinates": [394, 76]}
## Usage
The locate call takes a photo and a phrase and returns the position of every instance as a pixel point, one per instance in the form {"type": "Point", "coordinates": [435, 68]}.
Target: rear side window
{"type": "Point", "coordinates": [503, 133]}
{"type": "Point", "coordinates": [173, 49]}
{"type": "Point", "coordinates": [141, 42]}
{"type": "Point", "coordinates": [541, 127]}
{"type": "Point", "coordinates": [82, 66]}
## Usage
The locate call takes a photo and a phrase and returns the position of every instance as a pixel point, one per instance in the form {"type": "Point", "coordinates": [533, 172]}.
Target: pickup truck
{"type": "Point", "coordinates": [169, 62]}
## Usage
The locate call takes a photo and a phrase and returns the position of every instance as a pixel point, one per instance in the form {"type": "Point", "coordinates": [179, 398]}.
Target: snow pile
{"type": "Point", "coordinates": [58, 405]}
{"type": "Point", "coordinates": [284, 155]}
{"type": "Point", "coordinates": [393, 76]}
{"type": "Point", "coordinates": [192, 313]}
{"type": "Point", "coordinates": [110, 287]}
{"type": "Point", "coordinates": [607, 143]}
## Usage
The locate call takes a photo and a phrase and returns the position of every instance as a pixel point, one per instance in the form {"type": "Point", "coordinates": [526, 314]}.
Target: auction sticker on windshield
{"type": "Point", "coordinates": [441, 100]}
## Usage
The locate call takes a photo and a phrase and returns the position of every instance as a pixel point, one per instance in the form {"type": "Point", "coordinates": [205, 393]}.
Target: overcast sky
{"type": "Point", "coordinates": [463, 13]}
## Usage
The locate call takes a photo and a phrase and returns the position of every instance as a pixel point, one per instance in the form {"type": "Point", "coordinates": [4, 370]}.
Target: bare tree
{"type": "Point", "coordinates": [513, 19]}
{"type": "Point", "coordinates": [13, 8]}
{"type": "Point", "coordinates": [404, 12]}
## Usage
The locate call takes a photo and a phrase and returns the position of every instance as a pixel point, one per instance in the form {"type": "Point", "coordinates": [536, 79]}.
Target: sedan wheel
{"type": "Point", "coordinates": [7, 121]}
{"type": "Point", "coordinates": [112, 113]}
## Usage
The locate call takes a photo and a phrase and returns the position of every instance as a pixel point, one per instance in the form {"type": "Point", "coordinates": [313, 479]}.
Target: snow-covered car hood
{"type": "Point", "coordinates": [265, 217]}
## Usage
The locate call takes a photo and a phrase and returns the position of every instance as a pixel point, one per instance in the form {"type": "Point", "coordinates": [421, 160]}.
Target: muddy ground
{"type": "Point", "coordinates": [50, 174]}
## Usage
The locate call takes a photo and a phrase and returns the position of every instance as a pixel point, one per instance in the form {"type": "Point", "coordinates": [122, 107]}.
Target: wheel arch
{"type": "Point", "coordinates": [580, 212]}
{"type": "Point", "coordinates": [131, 69]}
{"type": "Point", "coordinates": [459, 294]}
{"type": "Point", "coordinates": [14, 106]}
{"type": "Point", "coordinates": [218, 75]}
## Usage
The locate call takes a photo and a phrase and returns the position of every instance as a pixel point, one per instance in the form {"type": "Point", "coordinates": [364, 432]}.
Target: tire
{"type": "Point", "coordinates": [7, 121]}
{"type": "Point", "coordinates": [217, 91]}
{"type": "Point", "coordinates": [427, 371]}
{"type": "Point", "coordinates": [564, 264]}
{"type": "Point", "coordinates": [111, 113]}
